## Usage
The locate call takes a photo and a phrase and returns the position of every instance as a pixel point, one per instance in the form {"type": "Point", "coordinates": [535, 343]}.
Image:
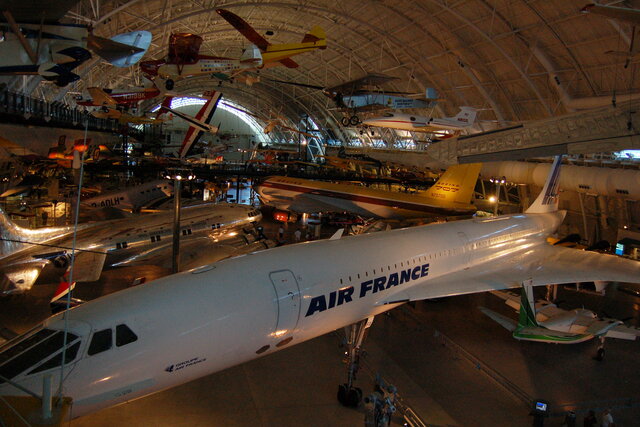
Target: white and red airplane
{"type": "Point", "coordinates": [463, 120]}
{"type": "Point", "coordinates": [173, 330]}
{"type": "Point", "coordinates": [199, 124]}
{"type": "Point", "coordinates": [184, 61]}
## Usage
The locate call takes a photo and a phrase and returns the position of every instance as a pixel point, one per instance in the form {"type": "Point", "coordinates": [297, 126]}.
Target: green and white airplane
{"type": "Point", "coordinates": [545, 322]}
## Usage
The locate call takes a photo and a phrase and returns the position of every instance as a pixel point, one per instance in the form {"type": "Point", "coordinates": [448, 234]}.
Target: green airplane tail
{"type": "Point", "coordinates": [527, 316]}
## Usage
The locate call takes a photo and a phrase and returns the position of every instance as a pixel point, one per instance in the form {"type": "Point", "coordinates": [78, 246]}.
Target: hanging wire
{"type": "Point", "coordinates": [72, 263]}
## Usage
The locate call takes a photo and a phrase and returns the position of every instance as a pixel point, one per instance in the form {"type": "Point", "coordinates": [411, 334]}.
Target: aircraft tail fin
{"type": "Point", "coordinates": [316, 35]}
{"type": "Point", "coordinates": [122, 50]}
{"type": "Point", "coordinates": [165, 107]}
{"type": "Point", "coordinates": [547, 200]}
{"type": "Point", "coordinates": [466, 116]}
{"type": "Point", "coordinates": [431, 94]}
{"type": "Point", "coordinates": [251, 55]}
{"type": "Point", "coordinates": [527, 315]}
{"type": "Point", "coordinates": [456, 185]}
{"type": "Point", "coordinates": [10, 233]}
{"type": "Point", "coordinates": [59, 301]}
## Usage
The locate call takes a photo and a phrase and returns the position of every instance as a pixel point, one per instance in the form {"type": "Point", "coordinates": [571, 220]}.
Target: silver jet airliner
{"type": "Point", "coordinates": [137, 240]}
{"type": "Point", "coordinates": [152, 337]}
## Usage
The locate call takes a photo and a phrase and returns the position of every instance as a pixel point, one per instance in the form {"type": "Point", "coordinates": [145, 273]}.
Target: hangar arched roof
{"type": "Point", "coordinates": [512, 59]}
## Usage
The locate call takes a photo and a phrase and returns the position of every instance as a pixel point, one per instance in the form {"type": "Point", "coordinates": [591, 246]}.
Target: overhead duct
{"type": "Point", "coordinates": [624, 183]}
{"type": "Point", "coordinates": [570, 103]}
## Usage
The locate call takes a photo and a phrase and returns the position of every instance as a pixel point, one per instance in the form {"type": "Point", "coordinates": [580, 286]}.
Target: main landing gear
{"type": "Point", "coordinates": [600, 353]}
{"type": "Point", "coordinates": [348, 395]}
{"type": "Point", "coordinates": [351, 121]}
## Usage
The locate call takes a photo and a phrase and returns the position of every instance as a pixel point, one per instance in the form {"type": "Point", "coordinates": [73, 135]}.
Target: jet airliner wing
{"type": "Point", "coordinates": [551, 265]}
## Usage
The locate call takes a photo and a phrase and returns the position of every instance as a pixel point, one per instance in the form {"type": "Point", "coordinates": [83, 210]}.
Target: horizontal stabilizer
{"type": "Point", "coordinates": [623, 332]}
{"type": "Point", "coordinates": [122, 50]}
{"type": "Point", "coordinates": [601, 327]}
{"type": "Point", "coordinates": [88, 266]}
{"type": "Point", "coordinates": [505, 322]}
{"type": "Point", "coordinates": [18, 278]}
{"type": "Point", "coordinates": [289, 63]}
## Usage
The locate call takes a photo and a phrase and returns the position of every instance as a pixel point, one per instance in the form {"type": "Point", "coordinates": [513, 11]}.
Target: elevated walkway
{"type": "Point", "coordinates": [611, 128]}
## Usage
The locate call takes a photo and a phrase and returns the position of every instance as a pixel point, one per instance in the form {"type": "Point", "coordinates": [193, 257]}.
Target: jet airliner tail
{"type": "Point", "coordinates": [527, 317]}
{"type": "Point", "coordinates": [456, 185]}
{"type": "Point", "coordinates": [466, 116]}
{"type": "Point", "coordinates": [547, 200]}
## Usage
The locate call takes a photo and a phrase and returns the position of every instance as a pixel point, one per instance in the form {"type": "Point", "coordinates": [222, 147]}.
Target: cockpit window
{"type": "Point", "coordinates": [388, 114]}
{"type": "Point", "coordinates": [101, 341]}
{"type": "Point", "coordinates": [124, 335]}
{"type": "Point", "coordinates": [32, 351]}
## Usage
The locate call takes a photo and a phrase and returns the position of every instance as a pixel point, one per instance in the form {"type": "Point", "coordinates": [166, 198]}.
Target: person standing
{"type": "Point", "coordinates": [297, 235]}
{"type": "Point", "coordinates": [607, 419]}
{"type": "Point", "coordinates": [590, 420]}
{"type": "Point", "coordinates": [281, 233]}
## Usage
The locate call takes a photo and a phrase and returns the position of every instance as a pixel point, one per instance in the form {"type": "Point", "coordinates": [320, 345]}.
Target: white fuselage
{"type": "Point", "coordinates": [205, 67]}
{"type": "Point", "coordinates": [205, 320]}
{"type": "Point", "coordinates": [320, 196]}
{"type": "Point", "coordinates": [415, 123]}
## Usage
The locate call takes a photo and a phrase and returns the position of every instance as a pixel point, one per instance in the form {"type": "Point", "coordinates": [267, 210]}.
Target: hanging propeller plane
{"type": "Point", "coordinates": [364, 94]}
{"type": "Point", "coordinates": [101, 97]}
{"type": "Point", "coordinates": [184, 60]}
{"type": "Point", "coordinates": [276, 54]}
{"type": "Point", "coordinates": [54, 50]}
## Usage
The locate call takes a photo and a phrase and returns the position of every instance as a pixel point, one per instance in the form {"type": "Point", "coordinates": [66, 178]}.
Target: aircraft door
{"type": "Point", "coordinates": [288, 296]}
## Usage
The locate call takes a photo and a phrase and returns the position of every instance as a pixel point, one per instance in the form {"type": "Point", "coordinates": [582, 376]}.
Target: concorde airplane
{"type": "Point", "coordinates": [178, 328]}
{"type": "Point", "coordinates": [24, 253]}
{"type": "Point", "coordinates": [411, 122]}
{"type": "Point", "coordinates": [450, 195]}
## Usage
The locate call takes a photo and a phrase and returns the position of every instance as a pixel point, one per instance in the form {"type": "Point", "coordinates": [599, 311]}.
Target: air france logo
{"type": "Point", "coordinates": [379, 284]}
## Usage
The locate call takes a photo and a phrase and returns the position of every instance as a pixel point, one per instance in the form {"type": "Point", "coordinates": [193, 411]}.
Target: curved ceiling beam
{"type": "Point", "coordinates": [459, 59]}
{"type": "Point", "coordinates": [498, 48]}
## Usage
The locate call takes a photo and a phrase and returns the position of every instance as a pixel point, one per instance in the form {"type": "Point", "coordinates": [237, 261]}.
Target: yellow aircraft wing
{"type": "Point", "coordinates": [100, 97]}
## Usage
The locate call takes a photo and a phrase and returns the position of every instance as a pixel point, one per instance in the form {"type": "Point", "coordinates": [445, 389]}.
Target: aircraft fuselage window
{"type": "Point", "coordinates": [124, 335]}
{"type": "Point", "coordinates": [101, 341]}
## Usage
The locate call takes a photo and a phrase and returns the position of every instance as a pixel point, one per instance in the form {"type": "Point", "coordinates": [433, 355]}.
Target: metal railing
{"type": "Point", "coordinates": [37, 111]}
